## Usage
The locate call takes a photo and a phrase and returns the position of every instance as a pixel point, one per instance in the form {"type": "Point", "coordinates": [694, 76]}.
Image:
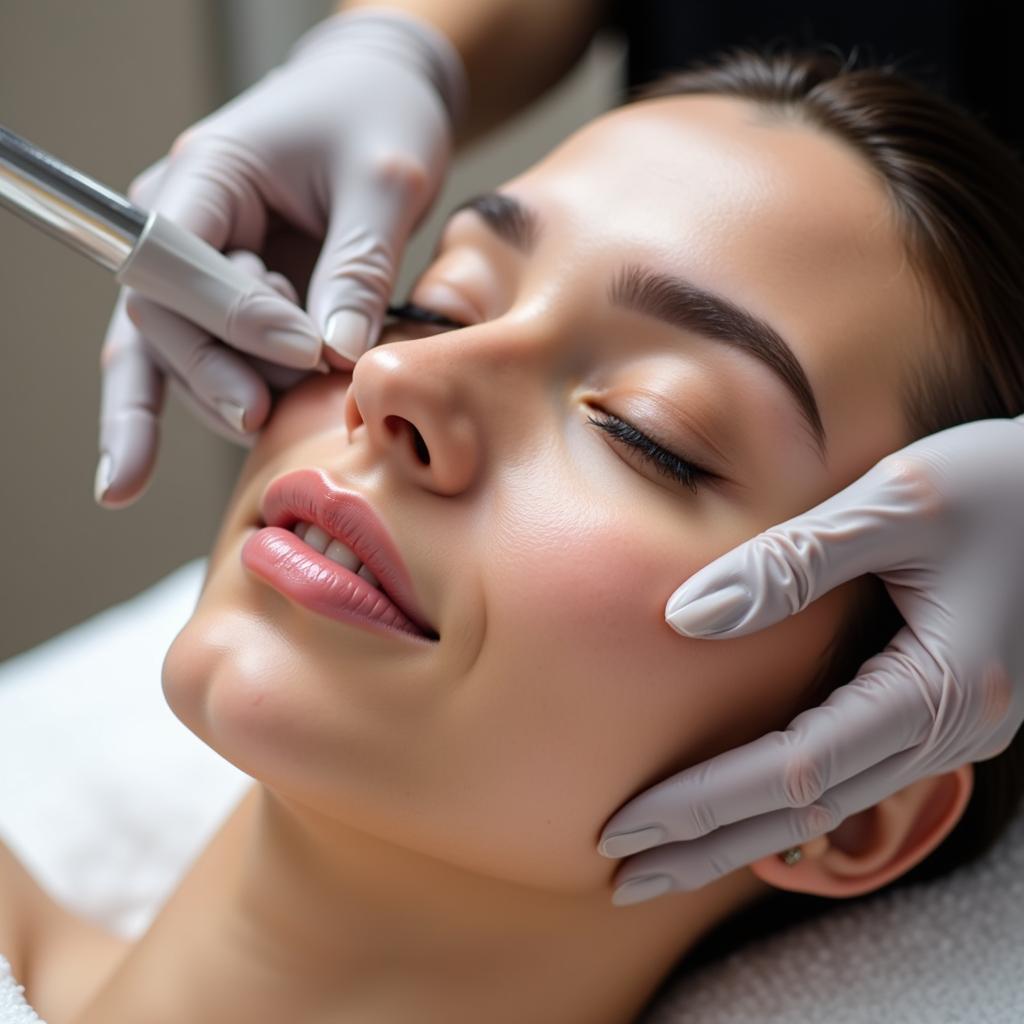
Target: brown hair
{"type": "Point", "coordinates": [958, 197]}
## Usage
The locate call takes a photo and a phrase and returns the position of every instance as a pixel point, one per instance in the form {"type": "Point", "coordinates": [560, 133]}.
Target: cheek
{"type": "Point", "coordinates": [587, 697]}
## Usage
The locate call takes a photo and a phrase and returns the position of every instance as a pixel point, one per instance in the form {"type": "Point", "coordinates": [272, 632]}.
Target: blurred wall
{"type": "Point", "coordinates": [106, 87]}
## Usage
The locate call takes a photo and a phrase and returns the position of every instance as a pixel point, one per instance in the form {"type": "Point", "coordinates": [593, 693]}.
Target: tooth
{"type": "Point", "coordinates": [301, 528]}
{"type": "Point", "coordinates": [338, 552]}
{"type": "Point", "coordinates": [316, 538]}
{"type": "Point", "coordinates": [368, 576]}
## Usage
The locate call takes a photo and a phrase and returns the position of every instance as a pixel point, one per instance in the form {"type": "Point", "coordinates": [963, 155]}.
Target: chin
{"type": "Point", "coordinates": [226, 678]}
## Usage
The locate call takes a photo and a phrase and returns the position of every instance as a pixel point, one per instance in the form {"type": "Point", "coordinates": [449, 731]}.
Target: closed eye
{"type": "Point", "coordinates": [664, 461]}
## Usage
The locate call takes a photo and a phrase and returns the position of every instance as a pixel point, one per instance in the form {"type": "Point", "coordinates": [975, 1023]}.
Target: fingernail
{"type": "Point", "coordinates": [714, 613]}
{"type": "Point", "coordinates": [232, 413]}
{"type": "Point", "coordinates": [347, 333]}
{"type": "Point", "coordinates": [638, 890]}
{"type": "Point", "coordinates": [322, 366]}
{"type": "Point", "coordinates": [625, 844]}
{"type": "Point", "coordinates": [297, 349]}
{"type": "Point", "coordinates": [104, 474]}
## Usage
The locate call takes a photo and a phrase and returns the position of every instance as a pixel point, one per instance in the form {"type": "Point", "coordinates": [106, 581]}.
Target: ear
{"type": "Point", "coordinates": [869, 849]}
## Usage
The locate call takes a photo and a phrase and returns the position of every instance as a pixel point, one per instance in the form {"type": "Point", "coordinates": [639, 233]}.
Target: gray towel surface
{"type": "Point", "coordinates": [946, 952]}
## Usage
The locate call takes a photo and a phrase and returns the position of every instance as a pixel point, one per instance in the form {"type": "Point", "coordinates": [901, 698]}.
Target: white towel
{"type": "Point", "coordinates": [105, 797]}
{"type": "Point", "coordinates": [13, 1008]}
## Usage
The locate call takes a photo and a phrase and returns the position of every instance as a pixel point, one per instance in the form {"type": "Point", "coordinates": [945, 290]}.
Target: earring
{"type": "Point", "coordinates": [791, 856]}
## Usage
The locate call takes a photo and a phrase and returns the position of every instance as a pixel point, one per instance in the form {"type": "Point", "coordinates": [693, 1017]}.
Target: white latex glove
{"type": "Point", "coordinates": [347, 142]}
{"type": "Point", "coordinates": [941, 522]}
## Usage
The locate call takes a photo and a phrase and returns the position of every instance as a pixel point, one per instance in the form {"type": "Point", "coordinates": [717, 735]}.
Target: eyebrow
{"type": "Point", "coordinates": [507, 217]}
{"type": "Point", "coordinates": [682, 304]}
{"type": "Point", "coordinates": [672, 300]}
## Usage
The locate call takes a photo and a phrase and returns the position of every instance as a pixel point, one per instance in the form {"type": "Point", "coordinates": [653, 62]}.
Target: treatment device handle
{"type": "Point", "coordinates": [148, 252]}
{"type": "Point", "coordinates": [177, 269]}
{"type": "Point", "coordinates": [66, 204]}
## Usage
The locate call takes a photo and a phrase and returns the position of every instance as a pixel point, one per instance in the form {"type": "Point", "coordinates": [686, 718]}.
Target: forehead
{"type": "Point", "coordinates": [774, 214]}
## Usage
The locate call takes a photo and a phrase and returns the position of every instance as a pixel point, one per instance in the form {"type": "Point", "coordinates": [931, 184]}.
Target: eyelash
{"type": "Point", "coordinates": [665, 462]}
{"type": "Point", "coordinates": [421, 315]}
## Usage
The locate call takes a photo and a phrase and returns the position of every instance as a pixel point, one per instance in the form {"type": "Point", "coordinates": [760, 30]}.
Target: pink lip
{"type": "Point", "coordinates": [288, 564]}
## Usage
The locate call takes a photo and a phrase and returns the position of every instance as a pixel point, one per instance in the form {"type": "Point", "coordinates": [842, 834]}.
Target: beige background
{"type": "Point", "coordinates": [106, 87]}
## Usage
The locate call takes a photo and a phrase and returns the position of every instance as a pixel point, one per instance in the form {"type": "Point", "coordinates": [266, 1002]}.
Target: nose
{"type": "Point", "coordinates": [417, 414]}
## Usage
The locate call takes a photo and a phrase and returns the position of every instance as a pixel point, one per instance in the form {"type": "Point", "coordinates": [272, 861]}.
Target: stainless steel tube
{"type": "Point", "coordinates": [67, 204]}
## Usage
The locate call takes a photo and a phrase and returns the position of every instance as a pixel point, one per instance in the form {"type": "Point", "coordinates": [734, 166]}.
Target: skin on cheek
{"type": "Point", "coordinates": [551, 728]}
{"type": "Point", "coordinates": [638, 701]}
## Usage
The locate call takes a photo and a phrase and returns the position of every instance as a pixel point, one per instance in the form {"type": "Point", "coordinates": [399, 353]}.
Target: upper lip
{"type": "Point", "coordinates": [308, 495]}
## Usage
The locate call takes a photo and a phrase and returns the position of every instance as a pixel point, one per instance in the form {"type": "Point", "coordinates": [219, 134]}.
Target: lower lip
{"type": "Point", "coordinates": [292, 567]}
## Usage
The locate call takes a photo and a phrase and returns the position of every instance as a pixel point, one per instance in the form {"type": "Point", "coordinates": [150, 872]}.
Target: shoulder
{"type": "Point", "coordinates": [58, 957]}
{"type": "Point", "coordinates": [17, 919]}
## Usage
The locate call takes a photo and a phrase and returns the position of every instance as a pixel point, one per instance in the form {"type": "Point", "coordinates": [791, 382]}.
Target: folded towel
{"type": "Point", "coordinates": [13, 1008]}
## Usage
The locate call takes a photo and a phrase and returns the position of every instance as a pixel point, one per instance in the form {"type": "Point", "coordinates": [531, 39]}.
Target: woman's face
{"type": "Point", "coordinates": [541, 547]}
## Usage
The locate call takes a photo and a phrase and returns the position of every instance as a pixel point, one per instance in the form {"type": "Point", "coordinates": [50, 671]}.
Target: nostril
{"type": "Point", "coordinates": [397, 424]}
{"type": "Point", "coordinates": [420, 446]}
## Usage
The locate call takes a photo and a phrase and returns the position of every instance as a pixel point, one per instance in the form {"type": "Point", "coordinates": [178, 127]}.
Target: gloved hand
{"type": "Point", "coordinates": [941, 522]}
{"type": "Point", "coordinates": [348, 142]}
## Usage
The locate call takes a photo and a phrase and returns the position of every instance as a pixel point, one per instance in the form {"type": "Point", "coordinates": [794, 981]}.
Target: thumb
{"type": "Point", "coordinates": [865, 528]}
{"type": "Point", "coordinates": [355, 272]}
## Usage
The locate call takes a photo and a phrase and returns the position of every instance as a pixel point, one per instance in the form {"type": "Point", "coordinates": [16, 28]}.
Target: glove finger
{"type": "Point", "coordinates": [181, 273]}
{"type": "Point", "coordinates": [354, 274]}
{"type": "Point", "coordinates": [872, 526]}
{"type": "Point", "coordinates": [145, 187]}
{"type": "Point", "coordinates": [208, 417]}
{"type": "Point", "coordinates": [279, 378]}
{"type": "Point", "coordinates": [131, 403]}
{"type": "Point", "coordinates": [207, 189]}
{"type": "Point", "coordinates": [886, 709]}
{"type": "Point", "coordinates": [252, 264]}
{"type": "Point", "coordinates": [255, 267]}
{"type": "Point", "coordinates": [281, 285]}
{"type": "Point", "coordinates": [221, 379]}
{"type": "Point", "coordinates": [690, 865]}
{"type": "Point", "coordinates": [180, 344]}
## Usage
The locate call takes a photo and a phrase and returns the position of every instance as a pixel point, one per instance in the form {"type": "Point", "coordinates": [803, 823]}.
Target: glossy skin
{"type": "Point", "coordinates": [525, 505]}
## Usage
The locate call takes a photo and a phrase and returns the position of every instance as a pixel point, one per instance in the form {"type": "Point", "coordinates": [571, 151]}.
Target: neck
{"type": "Point", "coordinates": [290, 916]}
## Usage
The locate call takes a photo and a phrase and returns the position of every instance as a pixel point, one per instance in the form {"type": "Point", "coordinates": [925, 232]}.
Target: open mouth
{"type": "Point", "coordinates": [326, 548]}
{"type": "Point", "coordinates": [334, 549]}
